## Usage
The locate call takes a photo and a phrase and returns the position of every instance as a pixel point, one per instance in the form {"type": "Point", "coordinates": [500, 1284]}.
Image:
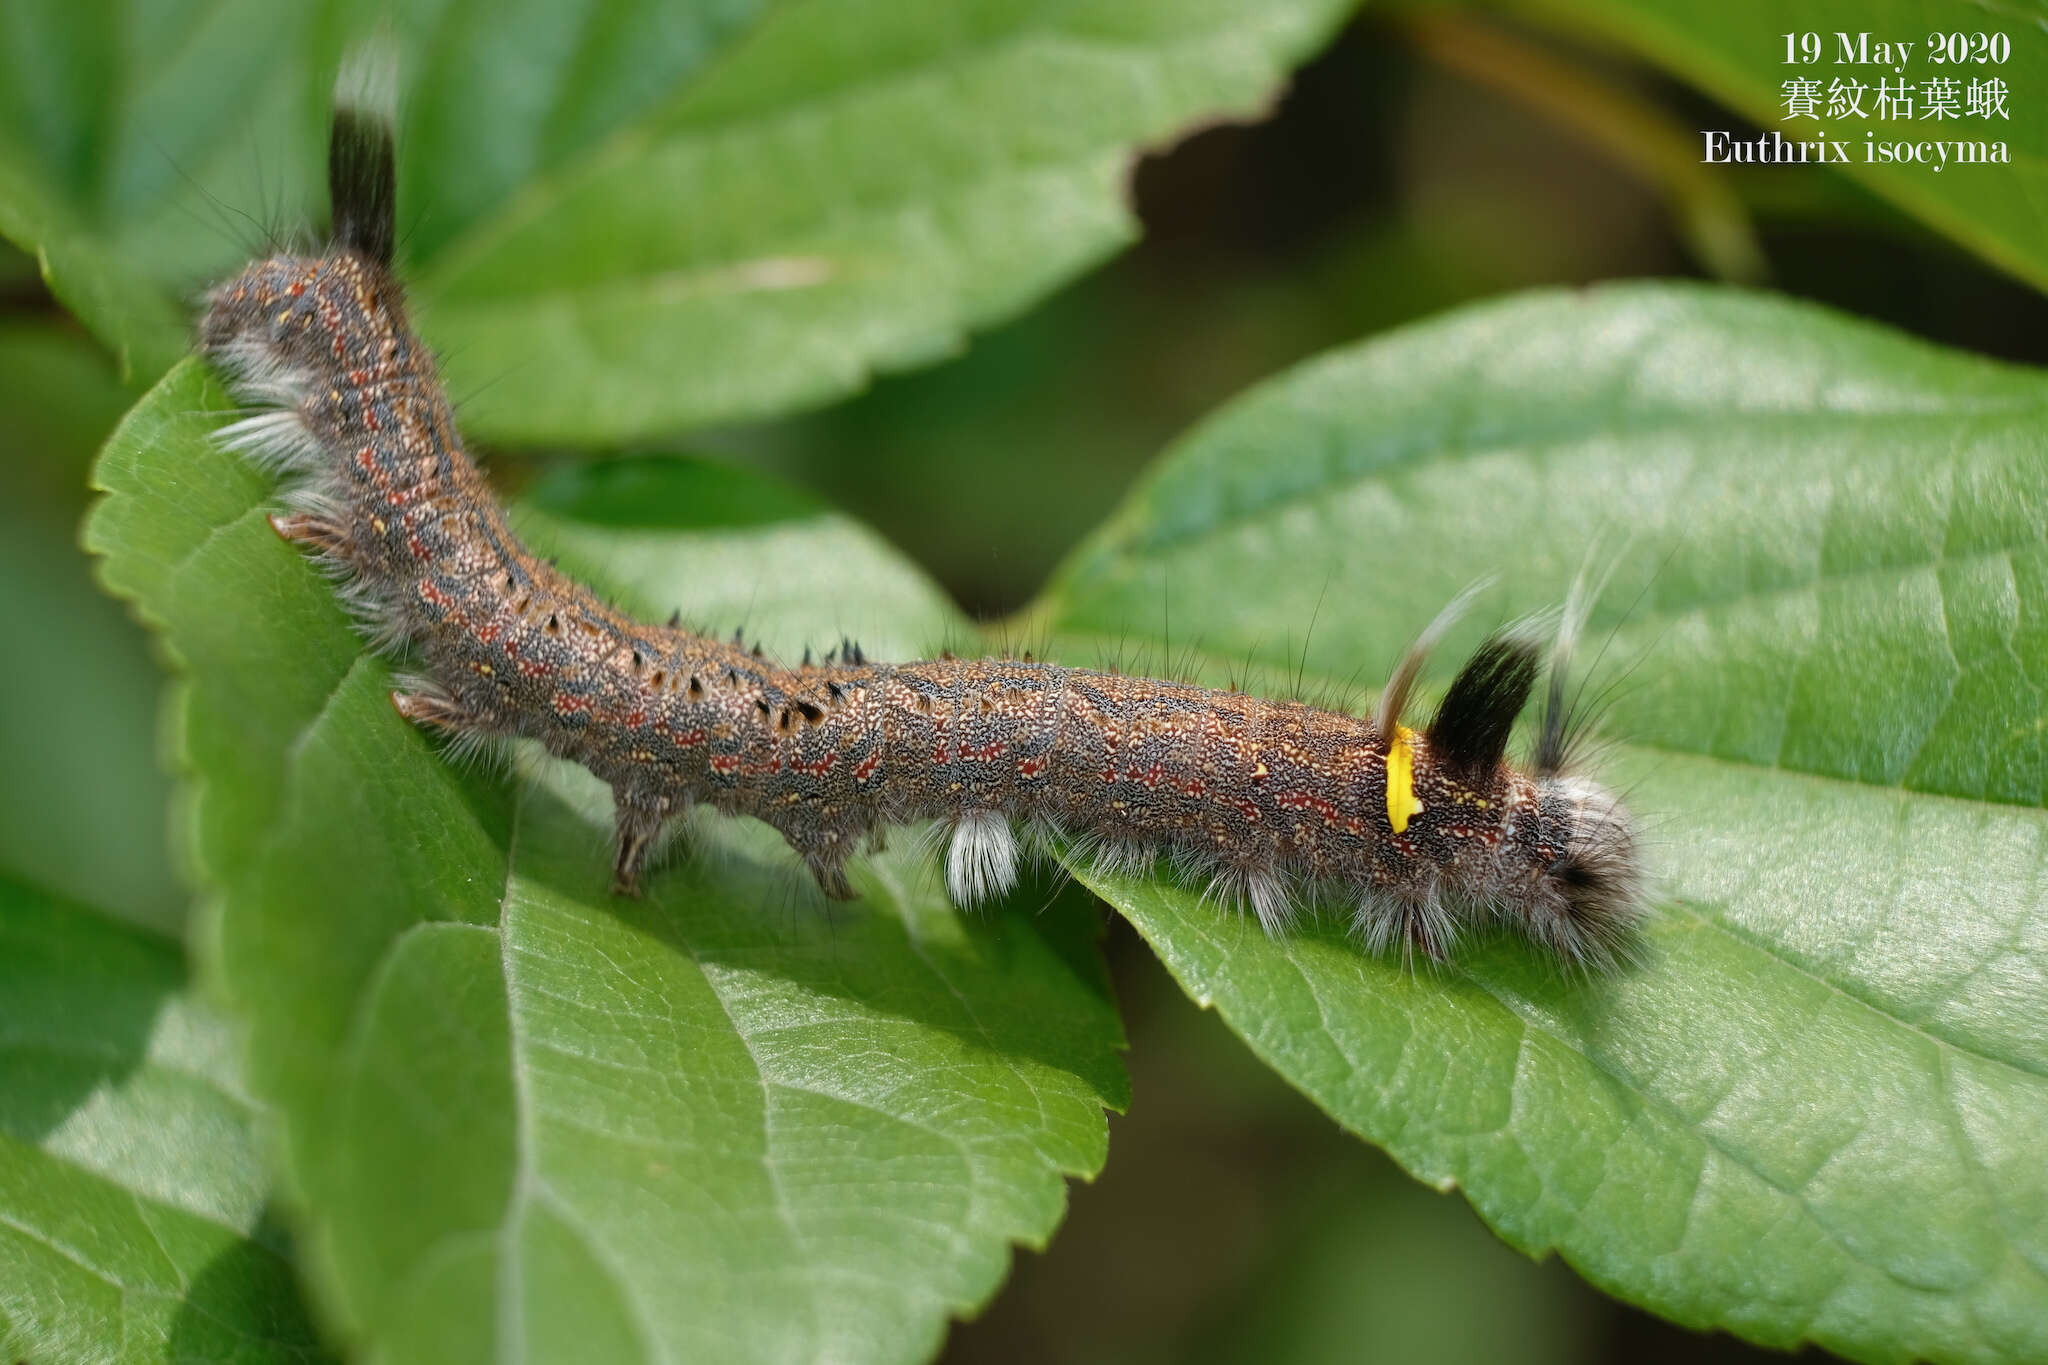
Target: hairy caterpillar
{"type": "Point", "coordinates": [1422, 833]}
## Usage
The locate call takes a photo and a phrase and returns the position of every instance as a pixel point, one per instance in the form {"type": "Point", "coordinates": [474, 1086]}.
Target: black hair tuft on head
{"type": "Point", "coordinates": [1470, 731]}
{"type": "Point", "coordinates": [362, 158]}
{"type": "Point", "coordinates": [362, 181]}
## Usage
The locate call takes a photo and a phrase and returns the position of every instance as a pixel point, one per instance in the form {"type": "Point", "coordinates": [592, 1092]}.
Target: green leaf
{"type": "Point", "coordinates": [1819, 1111]}
{"type": "Point", "coordinates": [144, 152]}
{"type": "Point", "coordinates": [613, 234]}
{"type": "Point", "coordinates": [127, 312]}
{"type": "Point", "coordinates": [128, 164]}
{"type": "Point", "coordinates": [522, 1116]}
{"type": "Point", "coordinates": [854, 187]}
{"type": "Point", "coordinates": [1737, 52]}
{"type": "Point", "coordinates": [132, 1203]}
{"type": "Point", "coordinates": [82, 799]}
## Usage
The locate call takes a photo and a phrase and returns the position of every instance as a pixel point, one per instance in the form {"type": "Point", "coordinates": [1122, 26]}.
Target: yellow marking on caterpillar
{"type": "Point", "coordinates": [1401, 802]}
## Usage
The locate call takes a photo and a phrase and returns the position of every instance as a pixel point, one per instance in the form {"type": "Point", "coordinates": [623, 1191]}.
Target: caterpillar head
{"type": "Point", "coordinates": [265, 326]}
{"type": "Point", "coordinates": [1584, 900]}
{"type": "Point", "coordinates": [261, 327]}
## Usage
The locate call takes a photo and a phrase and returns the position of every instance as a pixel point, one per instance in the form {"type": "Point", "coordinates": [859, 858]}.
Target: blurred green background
{"type": "Point", "coordinates": [1426, 159]}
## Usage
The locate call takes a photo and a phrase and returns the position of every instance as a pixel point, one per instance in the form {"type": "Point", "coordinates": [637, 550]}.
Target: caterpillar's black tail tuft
{"type": "Point", "coordinates": [362, 172]}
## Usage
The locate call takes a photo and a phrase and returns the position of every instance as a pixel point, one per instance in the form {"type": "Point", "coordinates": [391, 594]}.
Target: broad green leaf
{"type": "Point", "coordinates": [612, 233]}
{"type": "Point", "coordinates": [61, 398]}
{"type": "Point", "coordinates": [1737, 52]}
{"type": "Point", "coordinates": [133, 1208]}
{"type": "Point", "coordinates": [524, 1118]}
{"type": "Point", "coordinates": [111, 119]}
{"type": "Point", "coordinates": [859, 183]}
{"type": "Point", "coordinates": [148, 150]}
{"type": "Point", "coordinates": [82, 799]}
{"type": "Point", "coordinates": [1819, 1111]}
{"type": "Point", "coordinates": [129, 314]}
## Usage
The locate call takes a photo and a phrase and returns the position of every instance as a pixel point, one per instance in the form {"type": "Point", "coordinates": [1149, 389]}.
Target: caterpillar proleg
{"type": "Point", "coordinates": [1420, 833]}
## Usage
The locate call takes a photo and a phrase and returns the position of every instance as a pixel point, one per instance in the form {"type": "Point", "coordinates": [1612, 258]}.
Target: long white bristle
{"type": "Point", "coordinates": [982, 860]}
